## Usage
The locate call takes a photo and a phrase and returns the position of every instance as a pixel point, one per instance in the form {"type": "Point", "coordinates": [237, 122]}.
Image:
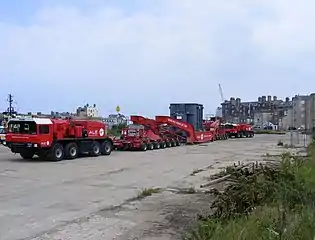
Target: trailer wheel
{"type": "Point", "coordinates": [173, 144]}
{"type": "Point", "coordinates": [163, 145]}
{"type": "Point", "coordinates": [157, 145]}
{"type": "Point", "coordinates": [177, 143]}
{"type": "Point", "coordinates": [27, 155]}
{"type": "Point", "coordinates": [71, 151]}
{"type": "Point", "coordinates": [144, 147]}
{"type": "Point", "coordinates": [169, 144]}
{"type": "Point", "coordinates": [150, 146]}
{"type": "Point", "coordinates": [107, 147]}
{"type": "Point", "coordinates": [126, 147]}
{"type": "Point", "coordinates": [57, 153]}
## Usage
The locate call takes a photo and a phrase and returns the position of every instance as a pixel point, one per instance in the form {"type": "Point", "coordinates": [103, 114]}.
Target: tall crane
{"type": "Point", "coordinates": [221, 93]}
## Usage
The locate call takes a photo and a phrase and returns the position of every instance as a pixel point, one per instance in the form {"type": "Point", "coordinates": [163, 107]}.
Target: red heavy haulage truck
{"type": "Point", "coordinates": [239, 130]}
{"type": "Point", "coordinates": [57, 139]}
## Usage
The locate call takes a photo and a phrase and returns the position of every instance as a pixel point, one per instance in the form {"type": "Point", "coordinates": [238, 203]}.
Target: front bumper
{"type": "Point", "coordinates": [19, 147]}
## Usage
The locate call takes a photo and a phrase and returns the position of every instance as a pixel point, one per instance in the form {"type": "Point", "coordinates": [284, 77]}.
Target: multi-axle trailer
{"type": "Point", "coordinates": [146, 134]}
{"type": "Point", "coordinates": [164, 131]}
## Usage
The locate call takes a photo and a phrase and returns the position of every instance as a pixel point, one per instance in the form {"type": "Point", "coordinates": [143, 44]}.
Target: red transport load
{"type": "Point", "coordinates": [192, 135]}
{"type": "Point", "coordinates": [145, 134]}
{"type": "Point", "coordinates": [56, 139]}
{"type": "Point", "coordinates": [215, 125]}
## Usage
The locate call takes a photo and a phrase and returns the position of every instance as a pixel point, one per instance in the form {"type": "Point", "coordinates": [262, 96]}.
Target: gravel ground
{"type": "Point", "coordinates": [96, 198]}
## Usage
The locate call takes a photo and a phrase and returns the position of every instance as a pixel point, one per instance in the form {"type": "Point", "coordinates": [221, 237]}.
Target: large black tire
{"type": "Point", "coordinates": [27, 154]}
{"type": "Point", "coordinates": [169, 144]}
{"type": "Point", "coordinates": [163, 144]}
{"type": "Point", "coordinates": [71, 151]}
{"type": "Point", "coordinates": [157, 145]}
{"type": "Point", "coordinates": [96, 149]}
{"type": "Point", "coordinates": [150, 146]}
{"type": "Point", "coordinates": [107, 147]}
{"type": "Point", "coordinates": [177, 143]}
{"type": "Point", "coordinates": [144, 147]}
{"type": "Point", "coordinates": [57, 153]}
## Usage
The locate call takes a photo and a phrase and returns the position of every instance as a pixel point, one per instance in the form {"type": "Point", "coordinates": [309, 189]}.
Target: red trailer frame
{"type": "Point", "coordinates": [192, 135]}
{"type": "Point", "coordinates": [215, 125]}
{"type": "Point", "coordinates": [149, 135]}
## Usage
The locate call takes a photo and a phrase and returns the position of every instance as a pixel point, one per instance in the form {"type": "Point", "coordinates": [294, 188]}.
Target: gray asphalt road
{"type": "Point", "coordinates": [40, 198]}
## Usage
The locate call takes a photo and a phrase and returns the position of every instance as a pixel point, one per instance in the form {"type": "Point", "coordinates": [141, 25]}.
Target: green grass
{"type": "Point", "coordinates": [273, 203]}
{"type": "Point", "coordinates": [276, 132]}
{"type": "Point", "coordinates": [148, 192]}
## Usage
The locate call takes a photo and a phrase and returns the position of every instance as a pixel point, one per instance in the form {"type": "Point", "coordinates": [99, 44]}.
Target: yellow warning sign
{"type": "Point", "coordinates": [117, 109]}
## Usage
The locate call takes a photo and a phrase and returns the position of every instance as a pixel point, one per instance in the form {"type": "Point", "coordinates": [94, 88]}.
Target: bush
{"type": "Point", "coordinates": [265, 203]}
{"type": "Point", "coordinates": [116, 130]}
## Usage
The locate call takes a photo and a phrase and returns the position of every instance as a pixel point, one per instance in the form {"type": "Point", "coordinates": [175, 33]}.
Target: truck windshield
{"type": "Point", "coordinates": [22, 127]}
{"type": "Point", "coordinates": [132, 132]}
{"type": "Point", "coordinates": [229, 126]}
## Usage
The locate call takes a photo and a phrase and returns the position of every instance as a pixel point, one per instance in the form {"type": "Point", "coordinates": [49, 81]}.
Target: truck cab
{"type": "Point", "coordinates": [57, 139]}
{"type": "Point", "coordinates": [29, 134]}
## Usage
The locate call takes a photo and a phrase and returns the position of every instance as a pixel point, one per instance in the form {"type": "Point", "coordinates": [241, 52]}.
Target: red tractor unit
{"type": "Point", "coordinates": [57, 139]}
{"type": "Point", "coordinates": [145, 134]}
{"type": "Point", "coordinates": [239, 130]}
{"type": "Point", "coordinates": [192, 135]}
{"type": "Point", "coordinates": [232, 130]}
{"type": "Point", "coordinates": [246, 130]}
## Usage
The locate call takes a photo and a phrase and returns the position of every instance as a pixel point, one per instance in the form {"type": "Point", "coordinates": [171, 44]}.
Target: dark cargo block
{"type": "Point", "coordinates": [188, 112]}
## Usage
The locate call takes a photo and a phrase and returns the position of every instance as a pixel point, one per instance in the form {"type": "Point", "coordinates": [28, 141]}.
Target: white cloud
{"type": "Point", "coordinates": [172, 50]}
{"type": "Point", "coordinates": [289, 32]}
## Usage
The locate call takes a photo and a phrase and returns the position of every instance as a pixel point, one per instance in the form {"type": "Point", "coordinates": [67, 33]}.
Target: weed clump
{"type": "Point", "coordinates": [266, 202]}
{"type": "Point", "coordinates": [280, 143]}
{"type": "Point", "coordinates": [146, 192]}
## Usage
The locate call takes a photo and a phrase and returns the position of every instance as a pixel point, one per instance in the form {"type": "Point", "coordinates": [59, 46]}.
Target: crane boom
{"type": "Point", "coordinates": [221, 93]}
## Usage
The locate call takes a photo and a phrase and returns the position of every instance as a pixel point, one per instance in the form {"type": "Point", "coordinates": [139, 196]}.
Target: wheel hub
{"type": "Point", "coordinates": [96, 149]}
{"type": "Point", "coordinates": [73, 151]}
{"type": "Point", "coordinates": [107, 148]}
{"type": "Point", "coordinates": [58, 153]}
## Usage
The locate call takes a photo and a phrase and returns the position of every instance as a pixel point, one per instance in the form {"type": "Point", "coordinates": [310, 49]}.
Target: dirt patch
{"type": "Point", "coordinates": [171, 214]}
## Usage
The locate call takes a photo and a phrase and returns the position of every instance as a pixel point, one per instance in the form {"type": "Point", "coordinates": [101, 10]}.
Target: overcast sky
{"type": "Point", "coordinates": [144, 54]}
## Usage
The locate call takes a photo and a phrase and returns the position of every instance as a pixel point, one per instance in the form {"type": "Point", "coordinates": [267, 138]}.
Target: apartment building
{"type": "Point", "coordinates": [266, 109]}
{"type": "Point", "coordinates": [88, 111]}
{"type": "Point", "coordinates": [301, 111]}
